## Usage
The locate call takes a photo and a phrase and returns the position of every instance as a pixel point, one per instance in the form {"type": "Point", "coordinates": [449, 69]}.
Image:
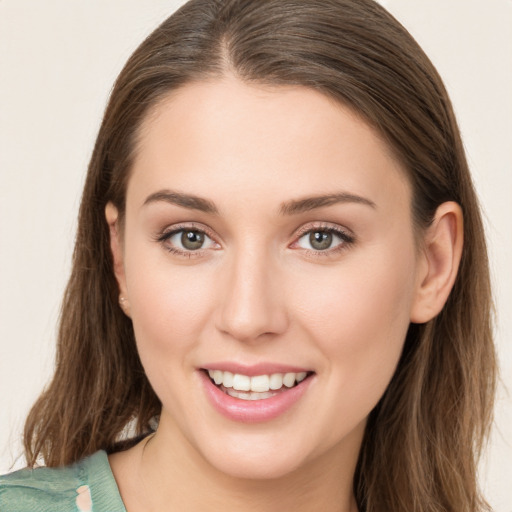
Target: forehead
{"type": "Point", "coordinates": [252, 139]}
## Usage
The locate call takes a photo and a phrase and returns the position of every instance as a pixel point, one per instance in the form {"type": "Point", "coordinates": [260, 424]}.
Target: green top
{"type": "Point", "coordinates": [86, 486]}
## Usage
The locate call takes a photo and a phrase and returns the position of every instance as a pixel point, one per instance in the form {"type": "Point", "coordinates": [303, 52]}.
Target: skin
{"type": "Point", "coordinates": [258, 291]}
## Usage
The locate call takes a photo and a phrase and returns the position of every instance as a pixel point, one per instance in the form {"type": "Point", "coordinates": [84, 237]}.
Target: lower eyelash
{"type": "Point", "coordinates": [347, 240]}
{"type": "Point", "coordinates": [163, 237]}
{"type": "Point", "coordinates": [185, 254]}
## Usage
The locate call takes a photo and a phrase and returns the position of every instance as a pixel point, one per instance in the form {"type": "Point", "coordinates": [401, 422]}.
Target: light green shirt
{"type": "Point", "coordinates": [86, 486]}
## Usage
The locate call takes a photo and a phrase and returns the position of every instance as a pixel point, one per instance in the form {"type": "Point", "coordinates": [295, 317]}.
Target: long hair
{"type": "Point", "coordinates": [424, 438]}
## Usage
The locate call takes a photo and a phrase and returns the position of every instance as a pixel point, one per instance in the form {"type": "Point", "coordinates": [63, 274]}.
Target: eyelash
{"type": "Point", "coordinates": [164, 237]}
{"type": "Point", "coordinates": [346, 239]}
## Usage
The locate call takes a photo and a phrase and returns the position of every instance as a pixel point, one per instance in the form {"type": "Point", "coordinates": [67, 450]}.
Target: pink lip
{"type": "Point", "coordinates": [255, 369]}
{"type": "Point", "coordinates": [252, 411]}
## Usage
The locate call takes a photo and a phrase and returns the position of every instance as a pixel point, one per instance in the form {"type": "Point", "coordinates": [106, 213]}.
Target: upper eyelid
{"type": "Point", "coordinates": [166, 234]}
{"type": "Point", "coordinates": [323, 226]}
{"type": "Point", "coordinates": [193, 226]}
{"type": "Point", "coordinates": [296, 235]}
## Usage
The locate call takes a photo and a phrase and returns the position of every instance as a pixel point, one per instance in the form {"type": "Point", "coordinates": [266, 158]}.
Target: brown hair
{"type": "Point", "coordinates": [424, 437]}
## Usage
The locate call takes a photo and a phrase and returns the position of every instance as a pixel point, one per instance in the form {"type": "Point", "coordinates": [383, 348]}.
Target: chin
{"type": "Point", "coordinates": [260, 466]}
{"type": "Point", "coordinates": [263, 455]}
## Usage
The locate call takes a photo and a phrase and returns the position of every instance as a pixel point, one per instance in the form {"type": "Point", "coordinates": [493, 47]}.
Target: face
{"type": "Point", "coordinates": [270, 270]}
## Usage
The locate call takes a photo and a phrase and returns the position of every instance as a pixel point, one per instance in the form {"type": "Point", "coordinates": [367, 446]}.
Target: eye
{"type": "Point", "coordinates": [324, 239]}
{"type": "Point", "coordinates": [187, 240]}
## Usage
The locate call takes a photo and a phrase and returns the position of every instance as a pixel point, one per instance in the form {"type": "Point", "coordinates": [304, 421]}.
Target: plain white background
{"type": "Point", "coordinates": [58, 60]}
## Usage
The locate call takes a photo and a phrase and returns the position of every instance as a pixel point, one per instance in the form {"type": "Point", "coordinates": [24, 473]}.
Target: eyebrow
{"type": "Point", "coordinates": [293, 207]}
{"type": "Point", "coordinates": [306, 204]}
{"type": "Point", "coordinates": [188, 201]}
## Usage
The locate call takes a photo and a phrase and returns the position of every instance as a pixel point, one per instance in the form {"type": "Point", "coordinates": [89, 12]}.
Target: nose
{"type": "Point", "coordinates": [253, 305]}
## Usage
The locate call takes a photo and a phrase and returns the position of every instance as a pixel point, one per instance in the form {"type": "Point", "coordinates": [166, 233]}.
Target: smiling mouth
{"type": "Point", "coordinates": [259, 387]}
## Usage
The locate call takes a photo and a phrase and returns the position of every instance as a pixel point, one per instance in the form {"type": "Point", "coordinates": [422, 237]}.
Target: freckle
{"type": "Point", "coordinates": [84, 500]}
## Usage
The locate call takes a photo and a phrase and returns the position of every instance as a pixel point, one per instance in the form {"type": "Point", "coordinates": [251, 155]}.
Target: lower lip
{"type": "Point", "coordinates": [253, 411]}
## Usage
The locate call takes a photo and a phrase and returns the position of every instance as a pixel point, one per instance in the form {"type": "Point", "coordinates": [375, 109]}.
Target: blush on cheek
{"type": "Point", "coordinates": [171, 304]}
{"type": "Point", "coordinates": [361, 320]}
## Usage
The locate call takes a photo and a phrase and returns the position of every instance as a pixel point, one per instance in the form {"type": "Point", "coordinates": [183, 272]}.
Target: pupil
{"type": "Point", "coordinates": [320, 240]}
{"type": "Point", "coordinates": [192, 240]}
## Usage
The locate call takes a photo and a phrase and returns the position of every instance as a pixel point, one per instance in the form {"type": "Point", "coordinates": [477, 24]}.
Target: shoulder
{"type": "Point", "coordinates": [86, 486]}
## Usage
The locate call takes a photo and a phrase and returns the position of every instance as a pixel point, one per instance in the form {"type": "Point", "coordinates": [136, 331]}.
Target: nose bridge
{"type": "Point", "coordinates": [253, 302]}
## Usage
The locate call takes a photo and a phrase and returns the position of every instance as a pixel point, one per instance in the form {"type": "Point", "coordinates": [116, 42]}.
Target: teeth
{"type": "Point", "coordinates": [241, 382]}
{"type": "Point", "coordinates": [289, 380]}
{"type": "Point", "coordinates": [248, 395]}
{"type": "Point", "coordinates": [228, 379]}
{"type": "Point", "coordinates": [276, 381]}
{"type": "Point", "coordinates": [217, 377]}
{"type": "Point", "coordinates": [258, 384]}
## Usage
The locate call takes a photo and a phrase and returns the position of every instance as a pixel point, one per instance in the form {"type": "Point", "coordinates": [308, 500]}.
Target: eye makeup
{"type": "Point", "coordinates": [193, 240]}
{"type": "Point", "coordinates": [191, 236]}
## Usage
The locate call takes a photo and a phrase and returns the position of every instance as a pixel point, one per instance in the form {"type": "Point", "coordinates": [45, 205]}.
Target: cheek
{"type": "Point", "coordinates": [359, 315]}
{"type": "Point", "coordinates": [171, 308]}
{"type": "Point", "coordinates": [170, 304]}
{"type": "Point", "coordinates": [359, 321]}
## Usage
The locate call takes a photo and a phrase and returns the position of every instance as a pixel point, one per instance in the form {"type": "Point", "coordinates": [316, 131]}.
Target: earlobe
{"type": "Point", "coordinates": [441, 255]}
{"type": "Point", "coordinates": [116, 247]}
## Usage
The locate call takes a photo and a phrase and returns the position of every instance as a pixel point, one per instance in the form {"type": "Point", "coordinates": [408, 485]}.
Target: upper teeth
{"type": "Point", "coordinates": [259, 383]}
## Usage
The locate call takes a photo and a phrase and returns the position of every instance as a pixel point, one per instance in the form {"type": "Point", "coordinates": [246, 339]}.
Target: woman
{"type": "Point", "coordinates": [280, 279]}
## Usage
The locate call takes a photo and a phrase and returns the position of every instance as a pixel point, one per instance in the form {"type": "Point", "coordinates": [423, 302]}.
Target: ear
{"type": "Point", "coordinates": [116, 246]}
{"type": "Point", "coordinates": [440, 259]}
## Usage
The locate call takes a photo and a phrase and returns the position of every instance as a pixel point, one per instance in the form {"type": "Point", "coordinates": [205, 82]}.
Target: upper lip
{"type": "Point", "coordinates": [253, 370]}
